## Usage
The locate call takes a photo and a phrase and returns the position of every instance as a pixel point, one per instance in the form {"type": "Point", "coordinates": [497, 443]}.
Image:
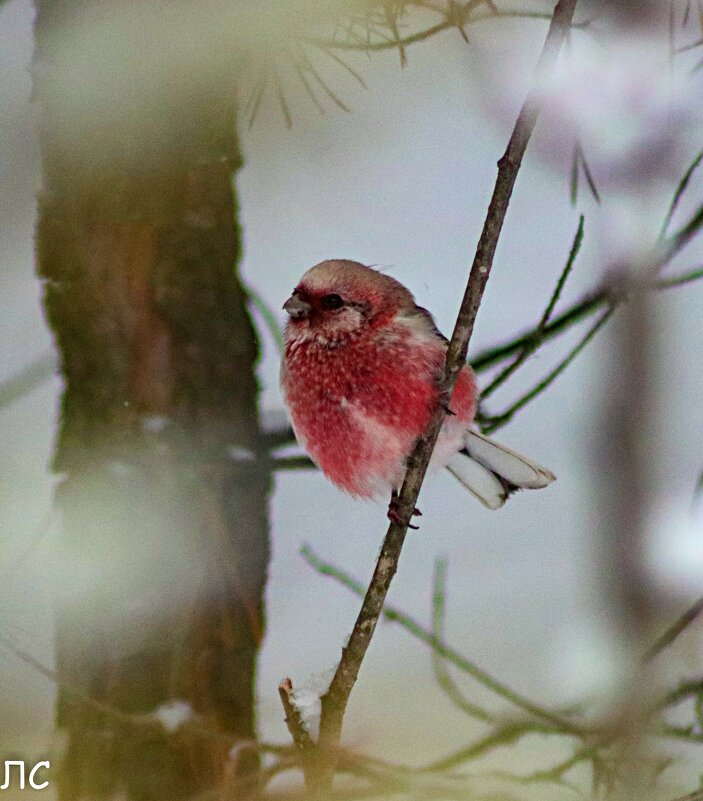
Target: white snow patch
{"type": "Point", "coordinates": [174, 714]}
{"type": "Point", "coordinates": [307, 700]}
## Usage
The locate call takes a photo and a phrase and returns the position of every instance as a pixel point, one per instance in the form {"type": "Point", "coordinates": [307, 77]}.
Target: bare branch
{"type": "Point", "coordinates": [278, 438]}
{"type": "Point", "coordinates": [597, 299]}
{"type": "Point", "coordinates": [507, 734]}
{"type": "Point", "coordinates": [300, 735]}
{"type": "Point", "coordinates": [293, 463]}
{"type": "Point", "coordinates": [676, 628]}
{"type": "Point", "coordinates": [334, 702]}
{"type": "Point", "coordinates": [442, 674]}
{"type": "Point", "coordinates": [455, 15]}
{"type": "Point", "coordinates": [538, 337]}
{"type": "Point", "coordinates": [494, 422]}
{"type": "Point", "coordinates": [557, 722]}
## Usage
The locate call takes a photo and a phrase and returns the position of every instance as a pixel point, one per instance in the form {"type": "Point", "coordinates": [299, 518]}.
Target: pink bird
{"type": "Point", "coordinates": [360, 376]}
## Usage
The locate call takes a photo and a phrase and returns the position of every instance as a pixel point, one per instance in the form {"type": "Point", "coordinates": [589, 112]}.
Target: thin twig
{"type": "Point", "coordinates": [442, 674]}
{"type": "Point", "coordinates": [449, 22]}
{"type": "Point", "coordinates": [680, 191]}
{"type": "Point", "coordinates": [282, 102]}
{"type": "Point", "coordinates": [684, 691]}
{"type": "Point", "coordinates": [256, 96]}
{"type": "Point", "coordinates": [323, 84]}
{"type": "Point", "coordinates": [267, 316]}
{"type": "Point", "coordinates": [293, 463]}
{"type": "Point", "coordinates": [334, 702]}
{"type": "Point", "coordinates": [676, 242]}
{"type": "Point", "coordinates": [504, 735]}
{"type": "Point", "coordinates": [304, 744]}
{"type": "Point", "coordinates": [494, 422]}
{"type": "Point", "coordinates": [300, 735]}
{"type": "Point", "coordinates": [690, 46]}
{"type": "Point", "coordinates": [674, 630]}
{"type": "Point", "coordinates": [592, 301]}
{"type": "Point", "coordinates": [496, 686]}
{"type": "Point", "coordinates": [574, 175]}
{"type": "Point", "coordinates": [698, 490]}
{"type": "Point", "coordinates": [538, 337]}
{"type": "Point", "coordinates": [679, 280]}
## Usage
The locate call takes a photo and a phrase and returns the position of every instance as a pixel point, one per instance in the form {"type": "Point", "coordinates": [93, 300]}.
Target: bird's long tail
{"type": "Point", "coordinates": [492, 472]}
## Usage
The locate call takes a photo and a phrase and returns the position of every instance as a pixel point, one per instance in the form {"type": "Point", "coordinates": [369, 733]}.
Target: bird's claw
{"type": "Point", "coordinates": [394, 515]}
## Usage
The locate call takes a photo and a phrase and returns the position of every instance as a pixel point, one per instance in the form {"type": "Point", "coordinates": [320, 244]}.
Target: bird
{"type": "Point", "coordinates": [360, 375]}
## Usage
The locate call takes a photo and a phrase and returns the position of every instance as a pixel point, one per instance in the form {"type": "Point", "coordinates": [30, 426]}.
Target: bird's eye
{"type": "Point", "coordinates": [332, 302]}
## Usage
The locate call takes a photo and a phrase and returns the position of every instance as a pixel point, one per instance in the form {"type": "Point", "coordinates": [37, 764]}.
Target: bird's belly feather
{"type": "Point", "coordinates": [359, 422]}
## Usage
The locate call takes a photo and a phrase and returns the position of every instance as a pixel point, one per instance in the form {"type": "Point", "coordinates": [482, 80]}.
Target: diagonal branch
{"type": "Point", "coordinates": [334, 702]}
{"type": "Point", "coordinates": [674, 630]}
{"type": "Point", "coordinates": [441, 671]}
{"type": "Point", "coordinates": [542, 716]}
{"type": "Point", "coordinates": [580, 310]}
{"type": "Point", "coordinates": [494, 422]}
{"type": "Point", "coordinates": [538, 334]}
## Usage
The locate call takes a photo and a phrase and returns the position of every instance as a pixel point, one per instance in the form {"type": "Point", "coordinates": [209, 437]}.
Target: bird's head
{"type": "Point", "coordinates": [338, 299]}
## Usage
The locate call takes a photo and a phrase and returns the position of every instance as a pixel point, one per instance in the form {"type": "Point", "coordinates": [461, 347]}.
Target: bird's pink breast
{"type": "Point", "coordinates": [359, 408]}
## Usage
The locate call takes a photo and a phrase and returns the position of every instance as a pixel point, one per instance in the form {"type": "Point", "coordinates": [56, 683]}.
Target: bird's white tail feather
{"type": "Point", "coordinates": [490, 471]}
{"type": "Point", "coordinates": [514, 468]}
{"type": "Point", "coordinates": [480, 482]}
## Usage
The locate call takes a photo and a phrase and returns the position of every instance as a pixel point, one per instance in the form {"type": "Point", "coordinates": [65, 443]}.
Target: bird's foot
{"type": "Point", "coordinates": [394, 514]}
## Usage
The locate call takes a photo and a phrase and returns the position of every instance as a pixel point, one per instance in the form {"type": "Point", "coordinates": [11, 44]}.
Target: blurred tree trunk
{"type": "Point", "coordinates": [162, 483]}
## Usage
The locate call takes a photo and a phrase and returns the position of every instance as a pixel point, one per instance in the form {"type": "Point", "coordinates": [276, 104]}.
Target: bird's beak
{"type": "Point", "coordinates": [296, 307]}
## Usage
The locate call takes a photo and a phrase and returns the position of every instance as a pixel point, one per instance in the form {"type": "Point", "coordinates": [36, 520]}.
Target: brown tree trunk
{"type": "Point", "coordinates": [163, 484]}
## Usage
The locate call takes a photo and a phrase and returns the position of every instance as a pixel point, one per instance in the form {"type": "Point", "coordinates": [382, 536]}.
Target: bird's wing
{"type": "Point", "coordinates": [423, 314]}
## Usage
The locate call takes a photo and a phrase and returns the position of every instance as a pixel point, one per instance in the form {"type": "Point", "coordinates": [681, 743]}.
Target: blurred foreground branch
{"type": "Point", "coordinates": [370, 32]}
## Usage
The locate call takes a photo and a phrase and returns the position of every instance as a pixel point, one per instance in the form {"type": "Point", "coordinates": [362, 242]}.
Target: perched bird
{"type": "Point", "coordinates": [360, 375]}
